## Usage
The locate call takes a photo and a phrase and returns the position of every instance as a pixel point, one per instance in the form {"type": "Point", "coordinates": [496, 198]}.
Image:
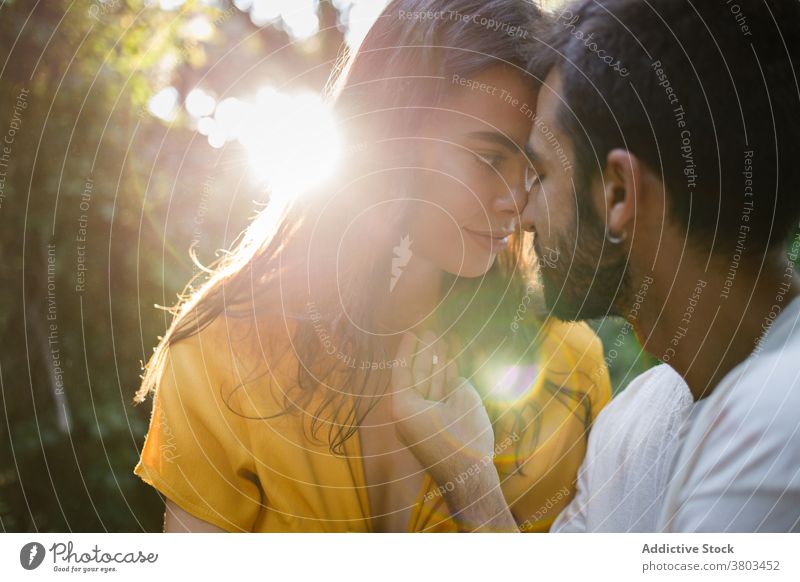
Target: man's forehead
{"type": "Point", "coordinates": [549, 96]}
{"type": "Point", "coordinates": [547, 105]}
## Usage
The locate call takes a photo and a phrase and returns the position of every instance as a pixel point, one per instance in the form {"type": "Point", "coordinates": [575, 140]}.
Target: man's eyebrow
{"type": "Point", "coordinates": [496, 138]}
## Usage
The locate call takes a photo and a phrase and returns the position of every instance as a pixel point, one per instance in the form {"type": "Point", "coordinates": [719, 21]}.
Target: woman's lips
{"type": "Point", "coordinates": [494, 242]}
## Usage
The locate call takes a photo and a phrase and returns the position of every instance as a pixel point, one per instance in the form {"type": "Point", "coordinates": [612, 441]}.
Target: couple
{"type": "Point", "coordinates": [657, 180]}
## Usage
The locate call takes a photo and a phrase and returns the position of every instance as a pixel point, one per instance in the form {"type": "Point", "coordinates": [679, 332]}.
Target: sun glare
{"type": "Point", "coordinates": [509, 383]}
{"type": "Point", "coordinates": [291, 140]}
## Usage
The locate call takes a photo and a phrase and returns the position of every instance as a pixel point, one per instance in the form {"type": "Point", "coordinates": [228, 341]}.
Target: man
{"type": "Point", "coordinates": [664, 147]}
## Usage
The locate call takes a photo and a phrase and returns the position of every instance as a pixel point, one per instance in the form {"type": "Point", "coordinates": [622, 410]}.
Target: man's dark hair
{"type": "Point", "coordinates": [705, 92]}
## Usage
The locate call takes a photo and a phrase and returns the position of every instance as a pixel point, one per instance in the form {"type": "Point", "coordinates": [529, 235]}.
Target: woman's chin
{"type": "Point", "coordinates": [475, 267]}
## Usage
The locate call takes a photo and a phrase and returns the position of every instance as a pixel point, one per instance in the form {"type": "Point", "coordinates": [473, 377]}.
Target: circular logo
{"type": "Point", "coordinates": [31, 555]}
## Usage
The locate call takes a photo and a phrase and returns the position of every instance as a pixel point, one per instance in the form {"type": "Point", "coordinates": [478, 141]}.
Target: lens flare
{"type": "Point", "coordinates": [509, 384]}
{"type": "Point", "coordinates": [291, 140]}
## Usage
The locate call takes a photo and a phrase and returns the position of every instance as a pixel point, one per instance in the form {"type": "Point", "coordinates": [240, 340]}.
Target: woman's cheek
{"type": "Point", "coordinates": [435, 228]}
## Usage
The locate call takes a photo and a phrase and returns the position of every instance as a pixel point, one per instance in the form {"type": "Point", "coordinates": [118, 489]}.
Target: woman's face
{"type": "Point", "coordinates": [469, 186]}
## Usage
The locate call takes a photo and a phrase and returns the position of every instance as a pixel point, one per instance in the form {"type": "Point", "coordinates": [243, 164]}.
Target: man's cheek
{"type": "Point", "coordinates": [545, 209]}
{"type": "Point", "coordinates": [549, 256]}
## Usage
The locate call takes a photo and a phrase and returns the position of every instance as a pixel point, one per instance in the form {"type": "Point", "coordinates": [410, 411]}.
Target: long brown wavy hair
{"type": "Point", "coordinates": [383, 92]}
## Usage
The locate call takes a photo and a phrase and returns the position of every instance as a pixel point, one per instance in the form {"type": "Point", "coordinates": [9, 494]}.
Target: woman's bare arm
{"type": "Point", "coordinates": [176, 520]}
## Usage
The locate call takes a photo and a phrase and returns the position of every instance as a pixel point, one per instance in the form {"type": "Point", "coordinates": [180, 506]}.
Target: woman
{"type": "Point", "coordinates": [272, 404]}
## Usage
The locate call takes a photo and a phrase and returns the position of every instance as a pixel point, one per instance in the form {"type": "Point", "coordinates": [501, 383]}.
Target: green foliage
{"type": "Point", "coordinates": [89, 161]}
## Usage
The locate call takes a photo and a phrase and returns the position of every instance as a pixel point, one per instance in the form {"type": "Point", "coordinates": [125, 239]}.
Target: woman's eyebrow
{"type": "Point", "coordinates": [496, 138]}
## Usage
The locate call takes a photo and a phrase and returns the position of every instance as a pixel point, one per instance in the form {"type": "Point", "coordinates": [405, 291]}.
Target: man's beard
{"type": "Point", "coordinates": [582, 283]}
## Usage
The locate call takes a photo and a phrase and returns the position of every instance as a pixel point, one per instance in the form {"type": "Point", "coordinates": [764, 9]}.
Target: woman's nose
{"type": "Point", "coordinates": [512, 199]}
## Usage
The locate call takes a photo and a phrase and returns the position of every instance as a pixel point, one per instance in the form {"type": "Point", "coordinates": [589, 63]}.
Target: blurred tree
{"type": "Point", "coordinates": [100, 202]}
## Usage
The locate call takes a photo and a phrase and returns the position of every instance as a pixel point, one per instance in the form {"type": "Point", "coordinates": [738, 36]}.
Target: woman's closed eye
{"type": "Point", "coordinates": [489, 160]}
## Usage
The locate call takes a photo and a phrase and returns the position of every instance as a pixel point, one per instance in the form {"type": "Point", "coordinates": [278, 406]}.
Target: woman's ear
{"type": "Point", "coordinates": [622, 183]}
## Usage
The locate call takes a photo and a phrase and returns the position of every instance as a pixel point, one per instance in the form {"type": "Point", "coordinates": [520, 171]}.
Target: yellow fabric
{"type": "Point", "coordinates": [265, 475]}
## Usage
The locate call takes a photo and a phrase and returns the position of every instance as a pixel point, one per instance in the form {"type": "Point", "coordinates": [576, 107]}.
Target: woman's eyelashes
{"type": "Point", "coordinates": [496, 164]}
{"type": "Point", "coordinates": [489, 161]}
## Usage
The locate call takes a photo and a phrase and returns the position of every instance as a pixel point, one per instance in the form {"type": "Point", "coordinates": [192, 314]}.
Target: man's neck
{"type": "Point", "coordinates": [704, 322]}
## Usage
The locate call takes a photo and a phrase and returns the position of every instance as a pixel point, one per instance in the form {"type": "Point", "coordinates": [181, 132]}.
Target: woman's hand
{"type": "Point", "coordinates": [438, 415]}
{"type": "Point", "coordinates": [441, 418]}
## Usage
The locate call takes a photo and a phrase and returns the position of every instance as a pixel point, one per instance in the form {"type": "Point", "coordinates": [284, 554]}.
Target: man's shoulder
{"type": "Point", "coordinates": [742, 451]}
{"type": "Point", "coordinates": [766, 388]}
{"type": "Point", "coordinates": [659, 384]}
{"type": "Point", "coordinates": [655, 396]}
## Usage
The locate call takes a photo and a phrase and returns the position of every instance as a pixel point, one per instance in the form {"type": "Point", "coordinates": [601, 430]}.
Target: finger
{"type": "Point", "coordinates": [464, 394]}
{"type": "Point", "coordinates": [438, 388]}
{"type": "Point", "coordinates": [407, 403]}
{"type": "Point", "coordinates": [423, 362]}
{"type": "Point", "coordinates": [408, 341]}
{"type": "Point", "coordinates": [402, 376]}
{"type": "Point", "coordinates": [450, 375]}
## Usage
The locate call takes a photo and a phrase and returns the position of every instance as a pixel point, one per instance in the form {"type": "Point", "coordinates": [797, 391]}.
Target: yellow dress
{"type": "Point", "coordinates": [209, 452]}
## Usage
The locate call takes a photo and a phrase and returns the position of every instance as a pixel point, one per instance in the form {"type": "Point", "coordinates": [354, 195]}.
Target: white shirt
{"type": "Point", "coordinates": [624, 475]}
{"type": "Point", "coordinates": [738, 467]}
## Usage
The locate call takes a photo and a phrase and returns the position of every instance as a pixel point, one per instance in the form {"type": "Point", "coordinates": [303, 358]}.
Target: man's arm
{"type": "Point", "coordinates": [478, 504]}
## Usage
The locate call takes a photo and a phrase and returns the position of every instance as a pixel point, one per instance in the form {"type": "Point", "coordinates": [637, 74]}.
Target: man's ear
{"type": "Point", "coordinates": [622, 183]}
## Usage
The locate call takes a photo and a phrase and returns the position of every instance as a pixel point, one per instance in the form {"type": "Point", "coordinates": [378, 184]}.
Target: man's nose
{"type": "Point", "coordinates": [526, 215]}
{"type": "Point", "coordinates": [513, 198]}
